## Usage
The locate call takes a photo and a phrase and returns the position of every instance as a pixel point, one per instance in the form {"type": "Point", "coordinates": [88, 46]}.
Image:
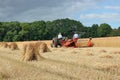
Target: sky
{"type": "Point", "coordinates": [88, 12]}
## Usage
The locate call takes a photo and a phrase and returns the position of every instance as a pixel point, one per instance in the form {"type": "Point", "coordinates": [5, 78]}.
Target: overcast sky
{"type": "Point", "coordinates": [86, 11]}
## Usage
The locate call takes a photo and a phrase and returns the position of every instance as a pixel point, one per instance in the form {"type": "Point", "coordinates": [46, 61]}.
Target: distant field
{"type": "Point", "coordinates": [101, 62]}
{"type": "Point", "coordinates": [107, 42]}
{"type": "Point", "coordinates": [98, 42]}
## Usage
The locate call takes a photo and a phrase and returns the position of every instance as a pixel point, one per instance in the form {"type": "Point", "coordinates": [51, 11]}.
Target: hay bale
{"type": "Point", "coordinates": [13, 46]}
{"type": "Point", "coordinates": [42, 47]}
{"type": "Point", "coordinates": [4, 44]}
{"type": "Point", "coordinates": [31, 51]}
{"type": "Point", "coordinates": [28, 52]}
{"type": "Point", "coordinates": [82, 43]}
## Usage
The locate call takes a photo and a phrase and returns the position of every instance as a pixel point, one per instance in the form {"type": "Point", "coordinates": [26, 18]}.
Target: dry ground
{"type": "Point", "coordinates": [95, 63]}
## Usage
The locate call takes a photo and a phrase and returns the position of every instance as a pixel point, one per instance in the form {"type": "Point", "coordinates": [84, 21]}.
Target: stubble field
{"type": "Point", "coordinates": [101, 62]}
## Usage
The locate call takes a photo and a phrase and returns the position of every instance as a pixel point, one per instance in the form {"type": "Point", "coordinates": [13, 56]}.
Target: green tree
{"type": "Point", "coordinates": [87, 32]}
{"type": "Point", "coordinates": [104, 30]}
{"type": "Point", "coordinates": [93, 31]}
{"type": "Point", "coordinates": [24, 34]}
{"type": "Point", "coordinates": [10, 30]}
{"type": "Point", "coordinates": [115, 32]}
{"type": "Point", "coordinates": [38, 30]}
{"type": "Point", "coordinates": [2, 31]}
{"type": "Point", "coordinates": [49, 30]}
{"type": "Point", "coordinates": [9, 36]}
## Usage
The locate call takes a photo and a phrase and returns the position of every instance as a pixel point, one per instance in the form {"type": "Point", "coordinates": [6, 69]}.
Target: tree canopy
{"type": "Point", "coordinates": [46, 30]}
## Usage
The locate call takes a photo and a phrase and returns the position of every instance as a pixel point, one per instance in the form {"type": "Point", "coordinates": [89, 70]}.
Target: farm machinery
{"type": "Point", "coordinates": [72, 43]}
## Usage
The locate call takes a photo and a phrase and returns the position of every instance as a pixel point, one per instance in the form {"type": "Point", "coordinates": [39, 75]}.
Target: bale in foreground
{"type": "Point", "coordinates": [31, 51]}
{"type": "Point", "coordinates": [13, 46]}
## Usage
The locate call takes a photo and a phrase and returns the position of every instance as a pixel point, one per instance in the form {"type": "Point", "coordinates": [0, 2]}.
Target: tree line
{"type": "Point", "coordinates": [46, 30]}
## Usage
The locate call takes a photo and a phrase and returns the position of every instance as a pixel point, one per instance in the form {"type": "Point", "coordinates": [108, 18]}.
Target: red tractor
{"type": "Point", "coordinates": [71, 43]}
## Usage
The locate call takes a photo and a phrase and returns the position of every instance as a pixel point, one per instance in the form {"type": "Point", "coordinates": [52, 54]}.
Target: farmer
{"type": "Point", "coordinates": [75, 36]}
{"type": "Point", "coordinates": [90, 44]}
{"type": "Point", "coordinates": [60, 36]}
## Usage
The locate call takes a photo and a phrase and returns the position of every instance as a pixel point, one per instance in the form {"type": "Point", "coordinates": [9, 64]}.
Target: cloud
{"type": "Point", "coordinates": [109, 17]}
{"type": "Point", "coordinates": [12, 8]}
{"type": "Point", "coordinates": [29, 10]}
{"type": "Point", "coordinates": [103, 17]}
{"type": "Point", "coordinates": [112, 7]}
